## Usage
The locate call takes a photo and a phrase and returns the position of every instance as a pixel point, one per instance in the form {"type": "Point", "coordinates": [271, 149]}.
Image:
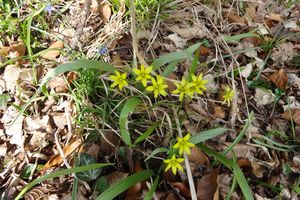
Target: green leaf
{"type": "Point", "coordinates": [101, 184]}
{"type": "Point", "coordinates": [76, 65]}
{"type": "Point", "coordinates": [153, 187]}
{"type": "Point", "coordinates": [58, 174]}
{"type": "Point", "coordinates": [85, 159]}
{"type": "Point", "coordinates": [4, 98]}
{"type": "Point", "coordinates": [27, 171]}
{"type": "Point", "coordinates": [193, 66]}
{"type": "Point", "coordinates": [128, 107]}
{"type": "Point", "coordinates": [237, 38]}
{"type": "Point", "coordinates": [156, 151]}
{"type": "Point", "coordinates": [240, 178]}
{"type": "Point", "coordinates": [206, 135]}
{"type": "Point", "coordinates": [175, 56]}
{"type": "Point", "coordinates": [170, 68]}
{"type": "Point", "coordinates": [147, 133]}
{"type": "Point", "coordinates": [241, 135]}
{"type": "Point", "coordinates": [124, 184]}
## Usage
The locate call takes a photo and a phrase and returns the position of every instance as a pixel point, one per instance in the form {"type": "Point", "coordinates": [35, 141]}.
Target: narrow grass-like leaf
{"type": "Point", "coordinates": [147, 133]}
{"type": "Point", "coordinates": [153, 187]}
{"type": "Point", "coordinates": [124, 184]}
{"type": "Point", "coordinates": [240, 178]}
{"type": "Point", "coordinates": [193, 66]}
{"type": "Point", "coordinates": [237, 38]}
{"type": "Point", "coordinates": [76, 65]}
{"type": "Point", "coordinates": [59, 173]}
{"type": "Point", "coordinates": [128, 107]}
{"type": "Point", "coordinates": [156, 151]}
{"type": "Point", "coordinates": [170, 68]}
{"type": "Point", "coordinates": [206, 135]}
{"type": "Point", "coordinates": [175, 56]}
{"type": "Point", "coordinates": [241, 135]}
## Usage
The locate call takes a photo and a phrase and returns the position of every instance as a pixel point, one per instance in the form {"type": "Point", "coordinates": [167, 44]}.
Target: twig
{"type": "Point", "coordinates": [60, 150]}
{"type": "Point", "coordinates": [134, 37]}
{"type": "Point", "coordinates": [186, 160]}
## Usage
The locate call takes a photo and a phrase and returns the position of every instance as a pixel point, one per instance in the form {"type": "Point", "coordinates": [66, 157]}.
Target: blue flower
{"type": "Point", "coordinates": [102, 50]}
{"type": "Point", "coordinates": [49, 9]}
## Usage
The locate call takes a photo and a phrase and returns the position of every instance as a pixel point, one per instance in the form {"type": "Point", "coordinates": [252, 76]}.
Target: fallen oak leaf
{"type": "Point", "coordinates": [279, 78]}
{"type": "Point", "coordinates": [295, 113]}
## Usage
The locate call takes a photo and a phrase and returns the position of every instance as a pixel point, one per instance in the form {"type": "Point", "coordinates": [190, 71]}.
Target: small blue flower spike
{"type": "Point", "coordinates": [102, 50]}
{"type": "Point", "coordinates": [49, 9]}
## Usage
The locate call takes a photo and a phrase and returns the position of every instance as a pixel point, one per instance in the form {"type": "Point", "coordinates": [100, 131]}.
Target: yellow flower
{"type": "Point", "coordinates": [198, 84]}
{"type": "Point", "coordinates": [174, 163]}
{"type": "Point", "coordinates": [119, 79]}
{"type": "Point", "coordinates": [184, 88]}
{"type": "Point", "coordinates": [143, 74]}
{"type": "Point", "coordinates": [183, 144]}
{"type": "Point", "coordinates": [228, 95]}
{"type": "Point", "coordinates": [158, 86]}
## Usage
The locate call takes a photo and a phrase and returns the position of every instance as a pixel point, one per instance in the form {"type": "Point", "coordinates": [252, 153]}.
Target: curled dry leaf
{"type": "Point", "coordinates": [295, 113]}
{"type": "Point", "coordinates": [52, 54]}
{"type": "Point", "coordinates": [57, 160]}
{"type": "Point", "coordinates": [279, 78]}
{"type": "Point", "coordinates": [207, 185]}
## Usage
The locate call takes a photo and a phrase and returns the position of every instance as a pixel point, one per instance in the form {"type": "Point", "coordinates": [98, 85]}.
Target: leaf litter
{"type": "Point", "coordinates": [261, 69]}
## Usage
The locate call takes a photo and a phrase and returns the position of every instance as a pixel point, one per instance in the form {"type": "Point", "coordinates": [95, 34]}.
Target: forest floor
{"type": "Point", "coordinates": [172, 99]}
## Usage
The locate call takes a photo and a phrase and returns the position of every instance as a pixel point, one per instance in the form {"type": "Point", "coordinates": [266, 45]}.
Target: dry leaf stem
{"type": "Point", "coordinates": [186, 160]}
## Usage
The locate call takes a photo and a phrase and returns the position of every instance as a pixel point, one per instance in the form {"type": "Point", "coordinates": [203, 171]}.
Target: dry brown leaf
{"type": "Point", "coordinates": [57, 160]}
{"type": "Point", "coordinates": [197, 157]}
{"type": "Point", "coordinates": [172, 196]}
{"type": "Point", "coordinates": [204, 51]}
{"type": "Point", "coordinates": [274, 17]}
{"type": "Point", "coordinates": [284, 52]}
{"type": "Point", "coordinates": [18, 48]}
{"type": "Point", "coordinates": [171, 85]}
{"type": "Point", "coordinates": [59, 84]}
{"type": "Point", "coordinates": [10, 76]}
{"type": "Point", "coordinates": [184, 190]}
{"type": "Point", "coordinates": [59, 120]}
{"type": "Point", "coordinates": [115, 177]}
{"type": "Point", "coordinates": [93, 150]}
{"type": "Point", "coordinates": [295, 115]}
{"type": "Point", "coordinates": [218, 112]}
{"type": "Point", "coordinates": [257, 170]}
{"type": "Point", "coordinates": [105, 11]}
{"type": "Point", "coordinates": [243, 163]}
{"type": "Point", "coordinates": [279, 78]}
{"type": "Point", "coordinates": [52, 54]}
{"type": "Point", "coordinates": [233, 17]}
{"type": "Point", "coordinates": [188, 32]}
{"type": "Point", "coordinates": [207, 185]}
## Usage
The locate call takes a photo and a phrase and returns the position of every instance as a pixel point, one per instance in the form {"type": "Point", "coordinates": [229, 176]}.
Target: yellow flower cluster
{"type": "Point", "coordinates": [158, 85]}
{"type": "Point", "coordinates": [183, 145]}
